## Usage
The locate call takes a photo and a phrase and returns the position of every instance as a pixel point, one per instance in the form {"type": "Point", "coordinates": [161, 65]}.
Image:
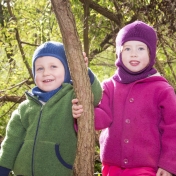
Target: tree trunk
{"type": "Point", "coordinates": [84, 162]}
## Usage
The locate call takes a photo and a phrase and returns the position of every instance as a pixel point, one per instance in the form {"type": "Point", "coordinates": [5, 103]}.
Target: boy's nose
{"type": "Point", "coordinates": [46, 72]}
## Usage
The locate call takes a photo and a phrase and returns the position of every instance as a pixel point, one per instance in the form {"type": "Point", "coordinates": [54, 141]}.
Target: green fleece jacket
{"type": "Point", "coordinates": [40, 139]}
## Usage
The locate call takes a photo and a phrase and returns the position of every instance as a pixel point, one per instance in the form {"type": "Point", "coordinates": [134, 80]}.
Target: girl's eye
{"type": "Point", "coordinates": [141, 48]}
{"type": "Point", "coordinates": [126, 49]}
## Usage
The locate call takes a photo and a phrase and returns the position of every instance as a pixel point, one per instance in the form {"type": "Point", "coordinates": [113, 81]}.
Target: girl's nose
{"type": "Point", "coordinates": [133, 53]}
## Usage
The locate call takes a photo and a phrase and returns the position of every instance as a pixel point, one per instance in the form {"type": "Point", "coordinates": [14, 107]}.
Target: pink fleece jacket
{"type": "Point", "coordinates": [139, 124]}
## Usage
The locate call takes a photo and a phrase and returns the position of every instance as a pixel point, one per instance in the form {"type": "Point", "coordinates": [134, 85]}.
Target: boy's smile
{"type": "Point", "coordinates": [49, 73]}
{"type": "Point", "coordinates": [48, 80]}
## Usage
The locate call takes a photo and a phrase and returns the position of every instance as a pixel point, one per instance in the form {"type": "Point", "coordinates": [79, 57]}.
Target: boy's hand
{"type": "Point", "coordinates": [76, 109]}
{"type": "Point", "coordinates": [85, 59]}
{"type": "Point", "coordinates": [162, 172]}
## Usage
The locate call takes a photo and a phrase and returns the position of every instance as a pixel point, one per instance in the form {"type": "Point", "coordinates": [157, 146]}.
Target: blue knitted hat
{"type": "Point", "coordinates": [136, 31]}
{"type": "Point", "coordinates": [54, 49]}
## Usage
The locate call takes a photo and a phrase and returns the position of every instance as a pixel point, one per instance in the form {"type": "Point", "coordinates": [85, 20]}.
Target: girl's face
{"type": "Point", "coordinates": [135, 55]}
{"type": "Point", "coordinates": [49, 73]}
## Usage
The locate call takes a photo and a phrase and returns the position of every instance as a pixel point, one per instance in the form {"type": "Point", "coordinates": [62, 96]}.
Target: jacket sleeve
{"type": "Point", "coordinates": [4, 171]}
{"type": "Point", "coordinates": [103, 113]}
{"type": "Point", "coordinates": [96, 87]}
{"type": "Point", "coordinates": [12, 142]}
{"type": "Point", "coordinates": [167, 105]}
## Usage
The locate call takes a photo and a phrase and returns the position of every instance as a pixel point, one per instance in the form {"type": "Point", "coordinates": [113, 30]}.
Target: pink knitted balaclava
{"type": "Point", "coordinates": [136, 31]}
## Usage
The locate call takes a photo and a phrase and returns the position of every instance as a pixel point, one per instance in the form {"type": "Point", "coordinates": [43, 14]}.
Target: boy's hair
{"type": "Point", "coordinates": [137, 31]}
{"type": "Point", "coordinates": [54, 49]}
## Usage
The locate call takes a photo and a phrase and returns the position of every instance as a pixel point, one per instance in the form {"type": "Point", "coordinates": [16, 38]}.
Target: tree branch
{"type": "Point", "coordinates": [103, 11]}
{"type": "Point", "coordinates": [86, 27]}
{"type": "Point", "coordinates": [28, 82]}
{"type": "Point", "coordinates": [105, 43]}
{"type": "Point", "coordinates": [19, 40]}
{"type": "Point", "coordinates": [12, 98]}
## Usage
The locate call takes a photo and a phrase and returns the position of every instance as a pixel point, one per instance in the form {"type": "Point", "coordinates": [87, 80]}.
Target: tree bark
{"type": "Point", "coordinates": [84, 162]}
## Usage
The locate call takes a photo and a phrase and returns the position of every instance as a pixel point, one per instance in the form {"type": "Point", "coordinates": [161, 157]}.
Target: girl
{"type": "Point", "coordinates": [138, 110]}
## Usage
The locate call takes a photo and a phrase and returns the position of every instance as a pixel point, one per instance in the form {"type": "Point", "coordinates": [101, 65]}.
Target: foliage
{"type": "Point", "coordinates": [26, 24]}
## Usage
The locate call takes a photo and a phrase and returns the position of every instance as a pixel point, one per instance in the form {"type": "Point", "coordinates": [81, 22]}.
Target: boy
{"type": "Point", "coordinates": [40, 138]}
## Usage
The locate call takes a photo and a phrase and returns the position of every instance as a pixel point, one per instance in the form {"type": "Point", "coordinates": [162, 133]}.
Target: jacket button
{"type": "Point", "coordinates": [131, 100]}
{"type": "Point", "coordinates": [125, 161]}
{"type": "Point", "coordinates": [126, 141]}
{"type": "Point", "coordinates": [127, 121]}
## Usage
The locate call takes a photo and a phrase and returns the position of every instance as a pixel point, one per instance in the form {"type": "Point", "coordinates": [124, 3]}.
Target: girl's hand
{"type": "Point", "coordinates": [162, 172]}
{"type": "Point", "coordinates": [77, 110]}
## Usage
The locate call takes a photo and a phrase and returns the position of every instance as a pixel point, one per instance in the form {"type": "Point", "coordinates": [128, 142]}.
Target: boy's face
{"type": "Point", "coordinates": [49, 73]}
{"type": "Point", "coordinates": [135, 55]}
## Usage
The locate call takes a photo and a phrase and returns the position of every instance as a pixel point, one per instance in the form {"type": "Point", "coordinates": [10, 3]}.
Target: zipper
{"type": "Point", "coordinates": [37, 101]}
{"type": "Point", "coordinates": [35, 139]}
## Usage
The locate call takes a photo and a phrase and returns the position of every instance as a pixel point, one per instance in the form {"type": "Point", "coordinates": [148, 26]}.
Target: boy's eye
{"type": "Point", "coordinates": [53, 66]}
{"type": "Point", "coordinates": [39, 69]}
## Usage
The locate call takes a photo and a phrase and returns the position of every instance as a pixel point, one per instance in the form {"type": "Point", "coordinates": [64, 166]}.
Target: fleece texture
{"type": "Point", "coordinates": [40, 139]}
{"type": "Point", "coordinates": [139, 124]}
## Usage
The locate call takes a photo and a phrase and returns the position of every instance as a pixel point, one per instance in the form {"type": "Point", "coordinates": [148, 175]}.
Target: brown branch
{"type": "Point", "coordinates": [160, 67]}
{"type": "Point", "coordinates": [86, 27]}
{"type": "Point", "coordinates": [15, 99]}
{"type": "Point", "coordinates": [19, 40]}
{"type": "Point", "coordinates": [104, 65]}
{"type": "Point", "coordinates": [1, 139]}
{"type": "Point", "coordinates": [105, 43]}
{"type": "Point", "coordinates": [28, 82]}
{"type": "Point", "coordinates": [169, 64]}
{"type": "Point", "coordinates": [103, 11]}
{"type": "Point", "coordinates": [1, 15]}
{"type": "Point", "coordinates": [29, 44]}
{"type": "Point", "coordinates": [163, 44]}
{"type": "Point", "coordinates": [11, 108]}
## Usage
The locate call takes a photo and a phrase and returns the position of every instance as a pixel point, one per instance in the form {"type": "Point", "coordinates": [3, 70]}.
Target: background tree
{"type": "Point", "coordinates": [26, 24]}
